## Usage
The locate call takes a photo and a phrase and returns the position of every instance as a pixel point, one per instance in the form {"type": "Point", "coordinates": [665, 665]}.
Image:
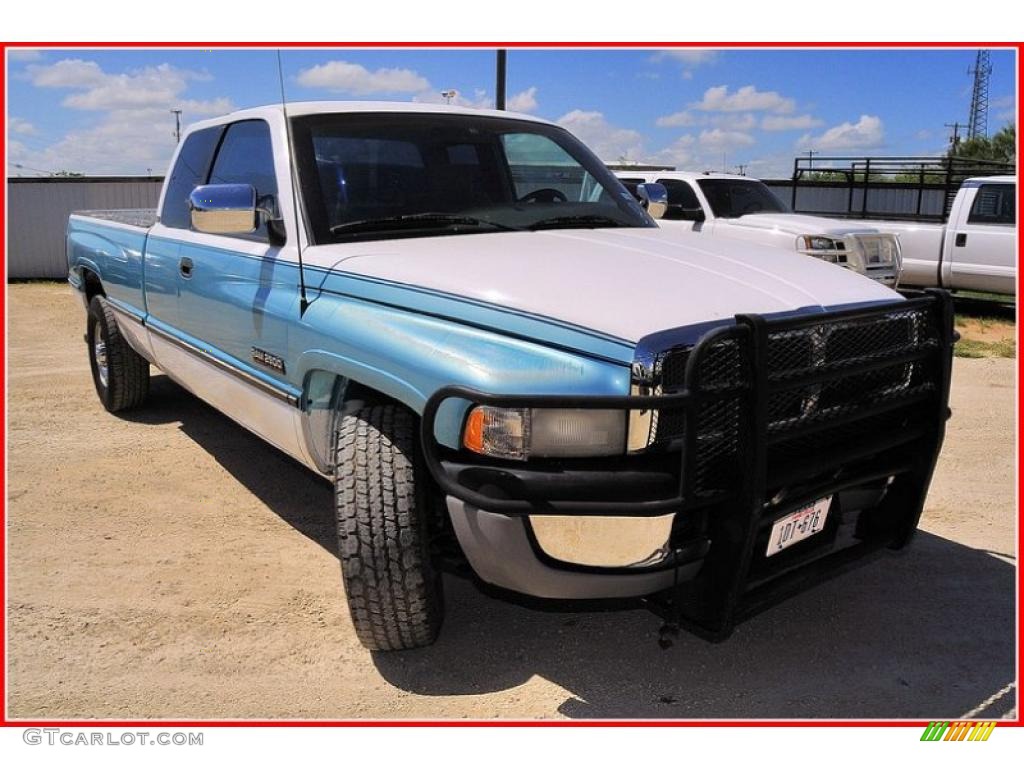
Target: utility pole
{"type": "Point", "coordinates": [954, 139]}
{"type": "Point", "coordinates": [177, 125]}
{"type": "Point", "coordinates": [810, 158]}
{"type": "Point", "coordinates": [499, 87]}
{"type": "Point", "coordinates": [742, 169]}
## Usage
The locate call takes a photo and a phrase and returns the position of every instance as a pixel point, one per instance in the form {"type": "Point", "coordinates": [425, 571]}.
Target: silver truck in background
{"type": "Point", "coordinates": [974, 250]}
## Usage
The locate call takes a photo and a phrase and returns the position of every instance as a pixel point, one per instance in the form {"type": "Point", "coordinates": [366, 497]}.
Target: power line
{"type": "Point", "coordinates": [22, 167]}
{"type": "Point", "coordinates": [954, 139]}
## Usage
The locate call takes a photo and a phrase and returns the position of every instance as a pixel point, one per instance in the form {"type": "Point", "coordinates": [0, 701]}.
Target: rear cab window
{"type": "Point", "coordinates": [994, 204]}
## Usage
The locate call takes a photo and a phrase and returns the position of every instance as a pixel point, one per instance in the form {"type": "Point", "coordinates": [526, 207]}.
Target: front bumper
{"type": "Point", "coordinates": [725, 479]}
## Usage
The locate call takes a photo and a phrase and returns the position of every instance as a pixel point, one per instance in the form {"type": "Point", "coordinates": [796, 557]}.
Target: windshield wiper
{"type": "Point", "coordinates": [581, 221]}
{"type": "Point", "coordinates": [416, 221]}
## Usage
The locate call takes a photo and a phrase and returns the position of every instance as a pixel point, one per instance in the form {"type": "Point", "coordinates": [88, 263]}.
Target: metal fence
{"type": "Point", "coordinates": [827, 198]}
{"type": "Point", "coordinates": [38, 209]}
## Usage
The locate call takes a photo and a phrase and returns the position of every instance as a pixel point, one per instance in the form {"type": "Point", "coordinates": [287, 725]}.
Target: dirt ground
{"type": "Point", "coordinates": [169, 564]}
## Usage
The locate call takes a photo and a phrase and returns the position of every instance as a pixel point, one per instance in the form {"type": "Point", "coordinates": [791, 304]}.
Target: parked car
{"type": "Point", "coordinates": [725, 205]}
{"type": "Point", "coordinates": [975, 249]}
{"type": "Point", "coordinates": [481, 338]}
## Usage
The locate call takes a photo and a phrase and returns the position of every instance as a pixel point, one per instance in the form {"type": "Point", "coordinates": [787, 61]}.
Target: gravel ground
{"type": "Point", "coordinates": [169, 564]}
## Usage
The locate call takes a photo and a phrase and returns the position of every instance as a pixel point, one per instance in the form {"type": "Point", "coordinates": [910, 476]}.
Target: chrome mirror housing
{"type": "Point", "coordinates": [654, 199]}
{"type": "Point", "coordinates": [224, 209]}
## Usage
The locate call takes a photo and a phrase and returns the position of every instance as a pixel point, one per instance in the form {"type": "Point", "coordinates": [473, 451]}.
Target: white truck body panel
{"type": "Point", "coordinates": [630, 271]}
{"type": "Point", "coordinates": [779, 230]}
{"type": "Point", "coordinates": [961, 254]}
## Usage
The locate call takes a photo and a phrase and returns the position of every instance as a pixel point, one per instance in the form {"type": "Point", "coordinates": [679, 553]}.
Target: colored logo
{"type": "Point", "coordinates": [963, 730]}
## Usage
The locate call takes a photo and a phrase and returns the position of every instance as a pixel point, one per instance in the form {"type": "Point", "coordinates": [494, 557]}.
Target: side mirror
{"type": "Point", "coordinates": [224, 209]}
{"type": "Point", "coordinates": [680, 213]}
{"type": "Point", "coordinates": [653, 198]}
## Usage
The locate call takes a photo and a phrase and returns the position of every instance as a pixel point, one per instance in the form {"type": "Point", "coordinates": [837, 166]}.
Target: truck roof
{"type": "Point", "coordinates": [683, 175]}
{"type": "Point", "coordinates": [329, 107]}
{"type": "Point", "coordinates": [1006, 179]}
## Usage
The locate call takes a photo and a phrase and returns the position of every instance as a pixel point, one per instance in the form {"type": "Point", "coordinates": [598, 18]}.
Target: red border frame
{"type": "Point", "coordinates": [5, 722]}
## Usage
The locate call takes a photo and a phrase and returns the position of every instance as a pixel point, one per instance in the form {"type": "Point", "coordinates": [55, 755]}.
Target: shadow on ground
{"type": "Point", "coordinates": [925, 634]}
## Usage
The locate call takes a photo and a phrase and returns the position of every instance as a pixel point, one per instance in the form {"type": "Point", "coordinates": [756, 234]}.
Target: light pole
{"type": "Point", "coordinates": [450, 94]}
{"type": "Point", "coordinates": [177, 125]}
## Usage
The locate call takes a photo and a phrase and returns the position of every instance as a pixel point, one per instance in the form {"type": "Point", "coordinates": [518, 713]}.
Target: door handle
{"type": "Point", "coordinates": [185, 267]}
{"type": "Point", "coordinates": [961, 239]}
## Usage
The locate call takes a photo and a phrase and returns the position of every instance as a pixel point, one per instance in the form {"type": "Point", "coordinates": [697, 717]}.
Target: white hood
{"type": "Point", "coordinates": [622, 282]}
{"type": "Point", "coordinates": [800, 224]}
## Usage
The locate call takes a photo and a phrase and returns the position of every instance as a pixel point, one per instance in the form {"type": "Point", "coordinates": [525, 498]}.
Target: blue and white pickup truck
{"type": "Point", "coordinates": [467, 324]}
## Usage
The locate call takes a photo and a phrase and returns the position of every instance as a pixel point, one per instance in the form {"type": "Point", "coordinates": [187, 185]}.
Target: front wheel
{"type": "Point", "coordinates": [380, 491]}
{"type": "Point", "coordinates": [121, 374]}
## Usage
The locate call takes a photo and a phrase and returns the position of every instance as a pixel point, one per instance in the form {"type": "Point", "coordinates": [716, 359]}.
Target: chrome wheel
{"type": "Point", "coordinates": [99, 353]}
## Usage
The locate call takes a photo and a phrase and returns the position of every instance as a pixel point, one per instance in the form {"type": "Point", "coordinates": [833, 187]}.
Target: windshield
{"type": "Point", "coordinates": [732, 198]}
{"type": "Point", "coordinates": [386, 175]}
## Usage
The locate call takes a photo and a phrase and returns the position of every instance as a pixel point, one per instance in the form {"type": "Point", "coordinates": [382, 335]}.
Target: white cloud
{"type": "Point", "coordinates": [67, 73]}
{"type": "Point", "coordinates": [608, 142]}
{"type": "Point", "coordinates": [867, 133]}
{"type": "Point", "coordinates": [524, 101]}
{"type": "Point", "coordinates": [24, 54]}
{"type": "Point", "coordinates": [679, 153]}
{"type": "Point", "coordinates": [1005, 109]}
{"type": "Point", "coordinates": [787, 123]}
{"type": "Point", "coordinates": [746, 99]}
{"type": "Point", "coordinates": [689, 56]}
{"type": "Point", "coordinates": [158, 86]}
{"type": "Point", "coordinates": [134, 131]}
{"type": "Point", "coordinates": [923, 135]}
{"type": "Point", "coordinates": [18, 125]}
{"type": "Point", "coordinates": [718, 140]}
{"type": "Point", "coordinates": [355, 79]}
{"type": "Point", "coordinates": [682, 119]}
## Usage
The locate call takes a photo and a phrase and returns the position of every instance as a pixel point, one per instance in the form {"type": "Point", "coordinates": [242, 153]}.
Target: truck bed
{"type": "Point", "coordinates": [133, 217]}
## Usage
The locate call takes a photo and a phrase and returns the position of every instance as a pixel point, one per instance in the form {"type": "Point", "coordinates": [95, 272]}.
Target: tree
{"type": "Point", "coordinates": [1001, 147]}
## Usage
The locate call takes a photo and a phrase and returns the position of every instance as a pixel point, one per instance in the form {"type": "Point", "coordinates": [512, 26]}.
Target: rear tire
{"type": "Point", "coordinates": [121, 374]}
{"type": "Point", "coordinates": [394, 593]}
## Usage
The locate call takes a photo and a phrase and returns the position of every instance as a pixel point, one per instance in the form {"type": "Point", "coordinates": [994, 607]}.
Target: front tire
{"type": "Point", "coordinates": [393, 591]}
{"type": "Point", "coordinates": [121, 374]}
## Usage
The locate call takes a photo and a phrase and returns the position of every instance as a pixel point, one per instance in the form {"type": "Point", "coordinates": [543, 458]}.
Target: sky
{"type": "Point", "coordinates": [109, 111]}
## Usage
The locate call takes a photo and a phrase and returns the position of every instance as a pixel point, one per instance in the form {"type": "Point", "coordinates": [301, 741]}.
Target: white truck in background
{"type": "Point", "coordinates": [743, 208]}
{"type": "Point", "coordinates": [974, 250]}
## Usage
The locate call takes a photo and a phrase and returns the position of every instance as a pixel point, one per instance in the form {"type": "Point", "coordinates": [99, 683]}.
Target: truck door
{"type": "Point", "coordinates": [980, 245]}
{"type": "Point", "coordinates": [233, 297]}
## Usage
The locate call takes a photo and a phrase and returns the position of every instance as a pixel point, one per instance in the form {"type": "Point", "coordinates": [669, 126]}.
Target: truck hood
{"type": "Point", "coordinates": [625, 283]}
{"type": "Point", "coordinates": [800, 224]}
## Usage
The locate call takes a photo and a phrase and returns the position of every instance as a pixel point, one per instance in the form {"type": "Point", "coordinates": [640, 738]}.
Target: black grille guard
{"type": "Point", "coordinates": [869, 422]}
{"type": "Point", "coordinates": [765, 439]}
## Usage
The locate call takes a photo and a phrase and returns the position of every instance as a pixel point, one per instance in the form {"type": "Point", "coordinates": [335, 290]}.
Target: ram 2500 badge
{"type": "Point", "coordinates": [484, 341]}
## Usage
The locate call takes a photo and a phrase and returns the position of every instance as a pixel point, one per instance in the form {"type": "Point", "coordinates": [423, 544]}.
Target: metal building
{"type": "Point", "coordinates": [38, 209]}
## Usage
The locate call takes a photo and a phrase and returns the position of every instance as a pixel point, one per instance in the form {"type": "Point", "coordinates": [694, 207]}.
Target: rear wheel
{"type": "Point", "coordinates": [393, 591]}
{"type": "Point", "coordinates": [121, 374]}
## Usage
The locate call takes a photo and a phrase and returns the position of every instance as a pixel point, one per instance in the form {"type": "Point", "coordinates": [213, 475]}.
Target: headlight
{"type": "Point", "coordinates": [876, 250]}
{"type": "Point", "coordinates": [825, 248]}
{"type": "Point", "coordinates": [519, 433]}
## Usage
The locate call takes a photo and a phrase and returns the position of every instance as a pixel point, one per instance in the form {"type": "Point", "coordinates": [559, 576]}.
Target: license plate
{"type": "Point", "coordinates": [797, 526]}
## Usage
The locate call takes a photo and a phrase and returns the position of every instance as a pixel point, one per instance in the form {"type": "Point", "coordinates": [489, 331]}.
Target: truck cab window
{"type": "Point", "coordinates": [246, 156]}
{"type": "Point", "coordinates": [189, 172]}
{"type": "Point", "coordinates": [730, 199]}
{"type": "Point", "coordinates": [680, 195]}
{"type": "Point", "coordinates": [994, 204]}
